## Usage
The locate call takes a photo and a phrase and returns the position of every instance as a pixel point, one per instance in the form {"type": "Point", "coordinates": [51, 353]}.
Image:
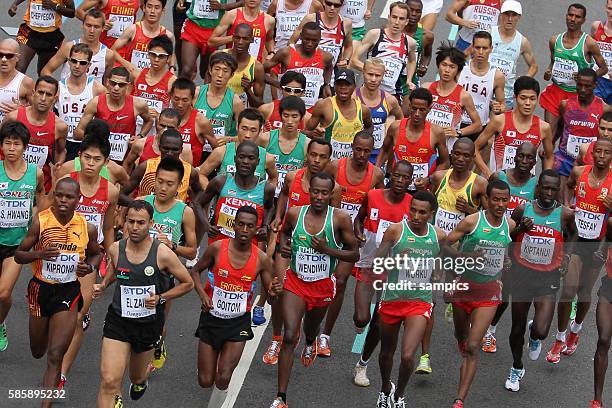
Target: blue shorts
{"type": "Point", "coordinates": [510, 103]}
{"type": "Point", "coordinates": [604, 89]}
{"type": "Point", "coordinates": [374, 156]}
{"type": "Point", "coordinates": [461, 44]}
{"type": "Point", "coordinates": [563, 163]}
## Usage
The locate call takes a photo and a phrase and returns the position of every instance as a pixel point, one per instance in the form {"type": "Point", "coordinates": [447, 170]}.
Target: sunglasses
{"type": "Point", "coordinates": [119, 84]}
{"type": "Point", "coordinates": [8, 56]}
{"type": "Point", "coordinates": [157, 55]}
{"type": "Point", "coordinates": [292, 90]}
{"type": "Point", "coordinates": [334, 5]}
{"type": "Point", "coordinates": [79, 62]}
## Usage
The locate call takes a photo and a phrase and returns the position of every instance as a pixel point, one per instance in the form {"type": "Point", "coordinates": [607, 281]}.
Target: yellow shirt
{"type": "Point", "coordinates": [341, 131]}
{"type": "Point", "coordinates": [147, 184]}
{"type": "Point", "coordinates": [235, 81]}
{"type": "Point", "coordinates": [447, 217]}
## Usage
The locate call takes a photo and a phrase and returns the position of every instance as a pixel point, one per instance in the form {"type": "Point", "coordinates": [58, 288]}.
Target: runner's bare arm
{"type": "Point", "coordinates": [593, 49]}
{"type": "Point", "coordinates": [23, 255]}
{"type": "Point", "coordinates": [117, 173]}
{"type": "Point", "coordinates": [190, 247]}
{"type": "Point", "coordinates": [219, 35]}
{"type": "Point", "coordinates": [109, 217]}
{"type": "Point", "coordinates": [133, 154]}
{"type": "Point", "coordinates": [551, 47]}
{"type": "Point", "coordinates": [568, 223]}
{"type": "Point", "coordinates": [195, 187]}
{"type": "Point", "coordinates": [572, 182]}
{"type": "Point", "coordinates": [66, 9]}
{"type": "Point", "coordinates": [134, 72]}
{"type": "Point", "coordinates": [281, 57]}
{"type": "Point", "coordinates": [266, 109]}
{"type": "Point", "coordinates": [464, 227]}
{"type": "Point", "coordinates": [61, 132]}
{"type": "Point", "coordinates": [213, 189]}
{"type": "Point", "coordinates": [237, 107]}
{"type": "Point", "coordinates": [494, 127]}
{"type": "Point", "coordinates": [89, 4]}
{"type": "Point", "coordinates": [395, 110]}
{"type": "Point", "coordinates": [204, 131]}
{"type": "Point", "coordinates": [347, 48]}
{"type": "Point", "coordinates": [411, 64]}
{"type": "Point", "coordinates": [41, 198]}
{"type": "Point", "coordinates": [584, 148]}
{"type": "Point", "coordinates": [427, 44]}
{"type": "Point", "coordinates": [93, 255]}
{"type": "Point", "coordinates": [360, 219]}
{"type": "Point", "coordinates": [211, 164]}
{"type": "Point", "coordinates": [366, 117]}
{"type": "Point", "coordinates": [265, 268]}
{"type": "Point", "coordinates": [528, 57]}
{"type": "Point", "coordinates": [206, 262]}
{"type": "Point", "coordinates": [556, 127]}
{"type": "Point", "coordinates": [441, 147]}
{"type": "Point", "coordinates": [132, 184]}
{"type": "Point", "coordinates": [228, 6]}
{"type": "Point", "coordinates": [499, 103]}
{"type": "Point", "coordinates": [468, 105]}
{"type": "Point", "coordinates": [142, 109]}
{"type": "Point", "coordinates": [547, 143]}
{"type": "Point", "coordinates": [126, 37]}
{"type": "Point", "coordinates": [270, 23]}
{"type": "Point", "coordinates": [171, 264]}
{"type": "Point", "coordinates": [88, 114]}
{"type": "Point", "coordinates": [58, 59]}
{"type": "Point", "coordinates": [281, 203]}
{"type": "Point", "coordinates": [268, 216]}
{"type": "Point", "coordinates": [390, 237]}
{"type": "Point", "coordinates": [521, 225]}
{"type": "Point", "coordinates": [26, 90]}
{"type": "Point", "coordinates": [98, 88]}
{"type": "Point", "coordinates": [255, 90]}
{"type": "Point", "coordinates": [328, 62]}
{"type": "Point", "coordinates": [111, 276]}
{"type": "Point", "coordinates": [378, 178]}
{"type": "Point", "coordinates": [452, 15]}
{"type": "Point", "coordinates": [271, 169]}
{"type": "Point", "coordinates": [386, 150]}
{"type": "Point", "coordinates": [336, 196]}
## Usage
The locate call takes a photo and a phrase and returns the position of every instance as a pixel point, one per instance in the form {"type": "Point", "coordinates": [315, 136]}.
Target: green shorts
{"type": "Point", "coordinates": [359, 33]}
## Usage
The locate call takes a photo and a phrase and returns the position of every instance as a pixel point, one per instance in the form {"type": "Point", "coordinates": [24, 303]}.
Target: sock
{"type": "Point", "coordinates": [561, 336]}
{"type": "Point", "coordinates": [277, 338]}
{"type": "Point", "coordinates": [491, 329]}
{"type": "Point", "coordinates": [325, 336]}
{"type": "Point", "coordinates": [575, 327]}
{"type": "Point", "coordinates": [217, 398]}
{"type": "Point", "coordinates": [362, 362]}
{"type": "Point", "coordinates": [283, 396]}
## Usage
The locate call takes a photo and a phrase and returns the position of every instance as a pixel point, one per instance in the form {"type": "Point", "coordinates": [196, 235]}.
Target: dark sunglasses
{"type": "Point", "coordinates": [334, 5]}
{"type": "Point", "coordinates": [8, 56]}
{"type": "Point", "coordinates": [119, 84]}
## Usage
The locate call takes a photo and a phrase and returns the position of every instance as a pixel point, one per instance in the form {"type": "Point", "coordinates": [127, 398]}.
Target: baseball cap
{"type": "Point", "coordinates": [345, 74]}
{"type": "Point", "coordinates": [512, 5]}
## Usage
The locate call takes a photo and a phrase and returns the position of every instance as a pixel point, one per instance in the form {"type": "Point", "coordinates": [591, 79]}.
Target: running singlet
{"type": "Point", "coordinates": [231, 198]}
{"type": "Point", "coordinates": [275, 121]}
{"type": "Point", "coordinates": [235, 82]}
{"type": "Point", "coordinates": [332, 38]}
{"type": "Point", "coordinates": [605, 45]}
{"type": "Point", "coordinates": [308, 264]}
{"type": "Point", "coordinates": [541, 248]}
{"type": "Point", "coordinates": [445, 110]}
{"type": "Point", "coordinates": [353, 194]}
{"type": "Point", "coordinates": [394, 54]}
{"type": "Point", "coordinates": [297, 195]}
{"type": "Point", "coordinates": [93, 208]}
{"type": "Point", "coordinates": [588, 156]}
{"type": "Point", "coordinates": [380, 214]}
{"type": "Point", "coordinates": [408, 283]}
{"type": "Point", "coordinates": [379, 114]}
{"type": "Point", "coordinates": [42, 19]}
{"type": "Point", "coordinates": [228, 164]}
{"type": "Point", "coordinates": [484, 12]}
{"type": "Point", "coordinates": [42, 141]}
{"type": "Point", "coordinates": [591, 213]}
{"type": "Point", "coordinates": [447, 216]}
{"type": "Point", "coordinates": [231, 289]}
{"type": "Point", "coordinates": [505, 57]}
{"type": "Point", "coordinates": [341, 131]}
{"type": "Point", "coordinates": [506, 143]}
{"type": "Point", "coordinates": [10, 92]}
{"type": "Point", "coordinates": [201, 13]}
{"type": "Point", "coordinates": [256, 48]}
{"type": "Point", "coordinates": [580, 126]}
{"type": "Point", "coordinates": [122, 124]}
{"type": "Point", "coordinates": [419, 153]}
{"type": "Point", "coordinates": [190, 138]}
{"type": "Point", "coordinates": [355, 10]}
{"type": "Point", "coordinates": [156, 95]}
{"type": "Point", "coordinates": [103, 173]}
{"type": "Point", "coordinates": [169, 223]}
{"type": "Point", "coordinates": [492, 241]}
{"type": "Point", "coordinates": [147, 150]}
{"type": "Point", "coordinates": [286, 162]}
{"type": "Point", "coordinates": [71, 240]}
{"type": "Point", "coordinates": [568, 62]}
{"type": "Point", "coordinates": [147, 184]}
{"type": "Point", "coordinates": [16, 202]}
{"type": "Point", "coordinates": [97, 67]}
{"type": "Point", "coordinates": [137, 50]}
{"type": "Point", "coordinates": [481, 88]}
{"type": "Point", "coordinates": [71, 107]}
{"type": "Point", "coordinates": [287, 21]}
{"type": "Point", "coordinates": [518, 194]}
{"type": "Point", "coordinates": [312, 69]}
{"type": "Point", "coordinates": [221, 117]}
{"type": "Point", "coordinates": [122, 14]}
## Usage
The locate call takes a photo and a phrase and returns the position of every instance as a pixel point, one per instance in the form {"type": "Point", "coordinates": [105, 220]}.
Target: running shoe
{"type": "Point", "coordinates": [596, 404]}
{"type": "Point", "coordinates": [514, 379]}
{"type": "Point", "coordinates": [279, 403]}
{"type": "Point", "coordinates": [62, 382]}
{"type": "Point", "coordinates": [137, 390]}
{"type": "Point", "coordinates": [489, 343]}
{"type": "Point", "coordinates": [3, 337]}
{"type": "Point", "coordinates": [400, 403]}
{"type": "Point", "coordinates": [270, 357]}
{"type": "Point", "coordinates": [323, 348]}
{"type": "Point", "coordinates": [309, 354]}
{"type": "Point", "coordinates": [457, 404]}
{"type": "Point", "coordinates": [360, 375]}
{"type": "Point", "coordinates": [571, 343]}
{"type": "Point", "coordinates": [554, 355]}
{"type": "Point", "coordinates": [118, 402]}
{"type": "Point", "coordinates": [535, 346]}
{"type": "Point", "coordinates": [424, 366]}
{"type": "Point", "coordinates": [159, 355]}
{"type": "Point", "coordinates": [86, 321]}
{"type": "Point", "coordinates": [386, 401]}
{"type": "Point", "coordinates": [448, 313]}
{"type": "Point", "coordinates": [259, 317]}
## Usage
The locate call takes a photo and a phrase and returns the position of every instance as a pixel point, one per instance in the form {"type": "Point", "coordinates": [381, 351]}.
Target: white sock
{"type": "Point", "coordinates": [491, 329]}
{"type": "Point", "coordinates": [362, 362]}
{"type": "Point", "coordinates": [561, 336]}
{"type": "Point", "coordinates": [217, 398]}
{"type": "Point", "coordinates": [324, 336]}
{"type": "Point", "coordinates": [575, 327]}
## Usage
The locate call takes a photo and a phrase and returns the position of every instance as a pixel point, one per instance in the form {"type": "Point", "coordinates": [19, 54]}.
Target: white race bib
{"type": "Point", "coordinates": [393, 69]}
{"type": "Point", "coordinates": [95, 219]}
{"type": "Point", "coordinates": [350, 208]}
{"type": "Point", "coordinates": [202, 9]}
{"type": "Point", "coordinates": [574, 142]}
{"type": "Point", "coordinates": [140, 59]}
{"type": "Point", "coordinates": [15, 213]}
{"type": "Point", "coordinates": [244, 99]}
{"type": "Point", "coordinates": [379, 135]}
{"type": "Point", "coordinates": [589, 224]}
{"type": "Point", "coordinates": [133, 301]}
{"type": "Point", "coordinates": [62, 269]}
{"type": "Point", "coordinates": [538, 250]}
{"type": "Point", "coordinates": [493, 260]}
{"type": "Point", "coordinates": [119, 145]}
{"type": "Point", "coordinates": [563, 71]}
{"type": "Point", "coordinates": [417, 270]}
{"type": "Point", "coordinates": [40, 16]}
{"type": "Point", "coordinates": [281, 181]}
{"type": "Point", "coordinates": [447, 220]}
{"type": "Point", "coordinates": [312, 266]}
{"type": "Point", "coordinates": [341, 149]}
{"type": "Point", "coordinates": [383, 225]}
{"type": "Point", "coordinates": [254, 47]}
{"type": "Point", "coordinates": [120, 24]}
{"type": "Point", "coordinates": [509, 153]}
{"type": "Point", "coordinates": [228, 305]}
{"type": "Point", "coordinates": [419, 170]}
{"type": "Point", "coordinates": [225, 221]}
{"type": "Point", "coordinates": [37, 155]}
{"type": "Point", "coordinates": [440, 118]}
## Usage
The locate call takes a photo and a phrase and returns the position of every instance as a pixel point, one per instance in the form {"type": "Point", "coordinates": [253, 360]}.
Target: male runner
{"type": "Point", "coordinates": [419, 243]}
{"type": "Point", "coordinates": [65, 247]}
{"type": "Point", "coordinates": [431, 9]}
{"type": "Point", "coordinates": [424, 41]}
{"type": "Point", "coordinates": [380, 209]}
{"type": "Point", "coordinates": [75, 91]}
{"type": "Point", "coordinates": [484, 236]}
{"type": "Point", "coordinates": [314, 238]}
{"type": "Point", "coordinates": [142, 267]}
{"type": "Point", "coordinates": [543, 244]}
{"type": "Point", "coordinates": [585, 156]}
{"type": "Point", "coordinates": [119, 15]}
{"type": "Point", "coordinates": [292, 83]}
{"type": "Point", "coordinates": [40, 33]}
{"type": "Point", "coordinates": [508, 45]}
{"type": "Point", "coordinates": [22, 184]}
{"type": "Point", "coordinates": [514, 128]}
{"type": "Point", "coordinates": [358, 12]}
{"type": "Point", "coordinates": [225, 319]}
{"type": "Point", "coordinates": [341, 115]}
{"type": "Point", "coordinates": [601, 31]}
{"type": "Point", "coordinates": [103, 58]}
{"type": "Point", "coordinates": [473, 16]}
{"type": "Point", "coordinates": [120, 111]}
{"type": "Point", "coordinates": [15, 88]}
{"type": "Point", "coordinates": [47, 132]}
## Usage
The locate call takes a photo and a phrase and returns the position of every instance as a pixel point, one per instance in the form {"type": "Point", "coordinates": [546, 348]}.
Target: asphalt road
{"type": "Point", "coordinates": [327, 382]}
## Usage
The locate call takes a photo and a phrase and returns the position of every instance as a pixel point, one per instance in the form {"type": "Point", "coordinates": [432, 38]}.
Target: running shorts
{"type": "Point", "coordinates": [7, 251]}
{"type": "Point", "coordinates": [461, 44]}
{"type": "Point", "coordinates": [551, 98]}
{"type": "Point", "coordinates": [141, 336]}
{"type": "Point", "coordinates": [478, 295]}
{"type": "Point", "coordinates": [563, 163]}
{"type": "Point", "coordinates": [216, 332]}
{"type": "Point", "coordinates": [367, 275]}
{"type": "Point", "coordinates": [396, 311]}
{"type": "Point", "coordinates": [604, 89]}
{"type": "Point", "coordinates": [432, 7]}
{"type": "Point", "coordinates": [585, 248]}
{"type": "Point", "coordinates": [605, 291]}
{"type": "Point", "coordinates": [46, 299]}
{"type": "Point", "coordinates": [359, 33]}
{"type": "Point", "coordinates": [315, 294]}
{"type": "Point", "coordinates": [198, 36]}
{"type": "Point", "coordinates": [41, 43]}
{"type": "Point", "coordinates": [528, 284]}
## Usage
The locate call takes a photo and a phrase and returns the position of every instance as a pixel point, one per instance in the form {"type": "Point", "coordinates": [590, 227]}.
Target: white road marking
{"type": "Point", "coordinates": [385, 10]}
{"type": "Point", "coordinates": [12, 31]}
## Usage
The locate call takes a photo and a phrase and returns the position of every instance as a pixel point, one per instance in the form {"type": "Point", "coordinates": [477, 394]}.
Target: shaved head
{"type": "Point", "coordinates": [9, 44]}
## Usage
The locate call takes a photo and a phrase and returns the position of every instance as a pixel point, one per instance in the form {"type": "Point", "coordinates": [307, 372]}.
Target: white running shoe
{"type": "Point", "coordinates": [535, 346]}
{"type": "Point", "coordinates": [360, 376]}
{"type": "Point", "coordinates": [514, 379]}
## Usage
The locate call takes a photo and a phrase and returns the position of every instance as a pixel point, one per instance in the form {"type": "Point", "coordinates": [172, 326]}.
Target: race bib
{"type": "Point", "coordinates": [119, 145]}
{"type": "Point", "coordinates": [311, 265]}
{"type": "Point", "coordinates": [281, 181]}
{"type": "Point", "coordinates": [244, 99]}
{"type": "Point", "coordinates": [225, 222]}
{"type": "Point", "coordinates": [440, 118]}
{"type": "Point", "coordinates": [538, 250]}
{"type": "Point", "coordinates": [447, 220]}
{"type": "Point", "coordinates": [140, 59]}
{"type": "Point", "coordinates": [493, 260]}
{"type": "Point", "coordinates": [36, 155]}
{"type": "Point", "coordinates": [563, 72]}
{"type": "Point", "coordinates": [120, 24]}
{"type": "Point", "coordinates": [417, 271]}
{"type": "Point", "coordinates": [133, 301]}
{"type": "Point", "coordinates": [15, 213]}
{"type": "Point", "coordinates": [228, 305]}
{"type": "Point", "coordinates": [419, 170]}
{"type": "Point", "coordinates": [589, 224]}
{"type": "Point", "coordinates": [40, 16]}
{"type": "Point", "coordinates": [62, 269]}
{"type": "Point", "coordinates": [383, 225]}
{"type": "Point", "coordinates": [351, 208]}
{"type": "Point", "coordinates": [379, 135]}
{"type": "Point", "coordinates": [95, 219]}
{"type": "Point", "coordinates": [254, 47]}
{"type": "Point", "coordinates": [341, 149]}
{"type": "Point", "coordinates": [508, 161]}
{"type": "Point", "coordinates": [574, 142]}
{"type": "Point", "coordinates": [202, 9]}
{"type": "Point", "coordinates": [392, 72]}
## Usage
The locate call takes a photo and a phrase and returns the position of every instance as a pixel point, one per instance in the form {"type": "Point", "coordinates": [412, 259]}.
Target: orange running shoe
{"type": "Point", "coordinates": [323, 348]}
{"type": "Point", "coordinates": [571, 344]}
{"type": "Point", "coordinates": [489, 343]}
{"type": "Point", "coordinates": [270, 357]}
{"type": "Point", "coordinates": [309, 354]}
{"type": "Point", "coordinates": [596, 404]}
{"type": "Point", "coordinates": [554, 355]}
{"type": "Point", "coordinates": [279, 403]}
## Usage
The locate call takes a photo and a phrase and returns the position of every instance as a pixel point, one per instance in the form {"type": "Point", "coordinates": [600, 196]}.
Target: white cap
{"type": "Point", "coordinates": [512, 5]}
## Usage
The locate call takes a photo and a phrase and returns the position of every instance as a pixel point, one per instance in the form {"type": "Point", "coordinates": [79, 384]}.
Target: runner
{"type": "Point", "coordinates": [292, 83]}
{"type": "Point", "coordinates": [484, 236]}
{"type": "Point", "coordinates": [119, 15]}
{"type": "Point", "coordinates": [514, 128]}
{"type": "Point", "coordinates": [570, 52]}
{"type": "Point", "coordinates": [380, 209]}
{"type": "Point", "coordinates": [341, 115]}
{"type": "Point", "coordinates": [251, 14]}
{"type": "Point", "coordinates": [604, 128]}
{"type": "Point", "coordinates": [358, 12]}
{"type": "Point", "coordinates": [601, 31]}
{"type": "Point", "coordinates": [384, 107]}
{"type": "Point", "coordinates": [143, 267]}
{"type": "Point", "coordinates": [65, 248]}
{"type": "Point", "coordinates": [431, 9]}
{"type": "Point", "coordinates": [356, 175]}
{"type": "Point", "coordinates": [416, 140]}
{"type": "Point", "coordinates": [483, 82]}
{"type": "Point", "coordinates": [309, 59]}
{"type": "Point", "coordinates": [522, 185]}
{"type": "Point", "coordinates": [15, 88]}
{"type": "Point", "coordinates": [447, 113]}
{"type": "Point", "coordinates": [40, 33]}
{"type": "Point", "coordinates": [75, 91]}
{"type": "Point", "coordinates": [23, 184]}
{"type": "Point", "coordinates": [508, 45]}
{"type": "Point", "coordinates": [103, 58]}
{"type": "Point", "coordinates": [314, 238]}
{"type": "Point", "coordinates": [473, 16]}
{"type": "Point", "coordinates": [395, 48]}
{"type": "Point", "coordinates": [424, 40]}
{"type": "Point", "coordinates": [47, 143]}
{"type": "Point", "coordinates": [225, 319]}
{"type": "Point", "coordinates": [120, 110]}
{"type": "Point", "coordinates": [591, 186]}
{"type": "Point", "coordinates": [419, 243]}
{"type": "Point", "coordinates": [179, 15]}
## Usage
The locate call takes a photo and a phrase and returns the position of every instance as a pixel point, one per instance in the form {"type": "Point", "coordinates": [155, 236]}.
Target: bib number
{"type": "Point", "coordinates": [225, 222]}
{"type": "Point", "coordinates": [140, 59]}
{"type": "Point", "coordinates": [120, 24]}
{"type": "Point", "coordinates": [312, 266]}
{"type": "Point", "coordinates": [419, 170]}
{"type": "Point", "coordinates": [537, 250]}
{"type": "Point", "coordinates": [352, 209]}
{"type": "Point", "coordinates": [383, 225]}
{"type": "Point", "coordinates": [574, 142]}
{"type": "Point", "coordinates": [228, 305]}
{"type": "Point", "coordinates": [493, 260]}
{"type": "Point", "coordinates": [563, 71]}
{"type": "Point", "coordinates": [119, 145]}
{"type": "Point", "coordinates": [417, 271]}
{"type": "Point", "coordinates": [15, 213]}
{"type": "Point", "coordinates": [36, 155]}
{"type": "Point", "coordinates": [589, 224]}
{"type": "Point", "coordinates": [440, 118]}
{"type": "Point", "coordinates": [202, 9]}
{"type": "Point", "coordinates": [96, 220]}
{"type": "Point", "coordinates": [62, 269]}
{"type": "Point", "coordinates": [40, 16]}
{"type": "Point", "coordinates": [447, 220]}
{"type": "Point", "coordinates": [133, 301]}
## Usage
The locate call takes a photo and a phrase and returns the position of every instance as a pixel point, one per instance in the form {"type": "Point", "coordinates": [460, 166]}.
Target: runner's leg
{"type": "Point", "coordinates": [114, 359]}
{"type": "Point", "coordinates": [603, 316]}
{"type": "Point", "coordinates": [429, 21]}
{"type": "Point", "coordinates": [568, 291]}
{"type": "Point", "coordinates": [372, 338]}
{"type": "Point", "coordinates": [312, 323]}
{"type": "Point", "coordinates": [39, 335]}
{"type": "Point", "coordinates": [364, 292]}
{"type": "Point", "coordinates": [26, 55]}
{"type": "Point", "coordinates": [427, 335]}
{"type": "Point", "coordinates": [207, 364]}
{"type": "Point", "coordinates": [414, 330]}
{"type": "Point", "coordinates": [588, 277]}
{"type": "Point", "coordinates": [542, 318]}
{"type": "Point", "coordinates": [9, 273]}
{"type": "Point", "coordinates": [520, 310]}
{"type": "Point", "coordinates": [139, 366]}
{"type": "Point", "coordinates": [189, 56]}
{"type": "Point", "coordinates": [293, 309]}
{"type": "Point", "coordinates": [388, 343]}
{"type": "Point", "coordinates": [343, 271]}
